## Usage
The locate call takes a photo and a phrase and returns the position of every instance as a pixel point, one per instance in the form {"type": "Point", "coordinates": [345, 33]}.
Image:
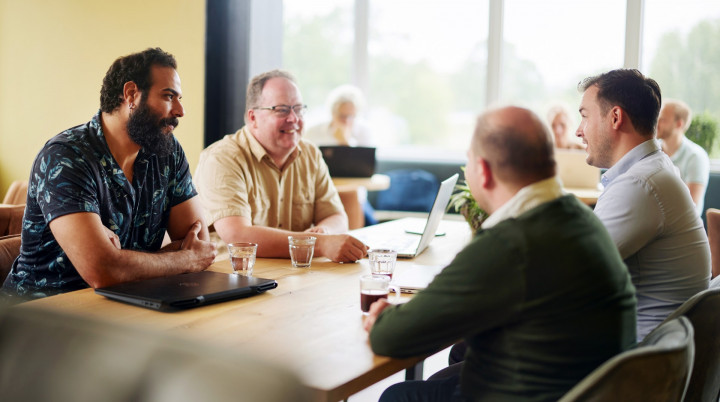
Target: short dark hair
{"type": "Point", "coordinates": [257, 83]}
{"type": "Point", "coordinates": [519, 151]}
{"type": "Point", "coordinates": [134, 67]}
{"type": "Point", "coordinates": [639, 96]}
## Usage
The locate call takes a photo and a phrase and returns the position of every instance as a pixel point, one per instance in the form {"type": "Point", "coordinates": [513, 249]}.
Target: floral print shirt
{"type": "Point", "coordinates": [75, 172]}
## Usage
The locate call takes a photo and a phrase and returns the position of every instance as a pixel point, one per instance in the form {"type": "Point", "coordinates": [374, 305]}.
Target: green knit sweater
{"type": "Point", "coordinates": [541, 300]}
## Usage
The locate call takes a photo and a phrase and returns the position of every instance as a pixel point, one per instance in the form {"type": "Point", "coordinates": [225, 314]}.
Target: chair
{"type": "Point", "coordinates": [49, 356]}
{"type": "Point", "coordinates": [657, 370]}
{"type": "Point", "coordinates": [702, 311]}
{"type": "Point", "coordinates": [410, 190]}
{"type": "Point", "coordinates": [11, 218]}
{"type": "Point", "coordinates": [712, 216]}
{"type": "Point", "coordinates": [16, 193]}
{"type": "Point", "coordinates": [9, 250]}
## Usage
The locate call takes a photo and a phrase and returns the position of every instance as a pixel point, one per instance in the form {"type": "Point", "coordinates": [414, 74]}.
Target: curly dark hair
{"type": "Point", "coordinates": [135, 67]}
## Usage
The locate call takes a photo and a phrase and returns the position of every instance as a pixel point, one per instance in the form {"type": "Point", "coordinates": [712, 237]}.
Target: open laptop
{"type": "Point", "coordinates": [344, 161]}
{"type": "Point", "coordinates": [574, 171]}
{"type": "Point", "coordinates": [407, 244]}
{"type": "Point", "coordinates": [186, 290]}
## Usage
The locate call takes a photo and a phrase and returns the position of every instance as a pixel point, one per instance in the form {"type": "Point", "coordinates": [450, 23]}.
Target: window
{"type": "Point", "coordinates": [680, 51]}
{"type": "Point", "coordinates": [427, 71]}
{"type": "Point", "coordinates": [550, 46]}
{"type": "Point", "coordinates": [317, 48]}
{"type": "Point", "coordinates": [426, 61]}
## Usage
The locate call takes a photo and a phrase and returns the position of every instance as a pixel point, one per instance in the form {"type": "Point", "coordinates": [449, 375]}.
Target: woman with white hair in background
{"type": "Point", "coordinates": [344, 128]}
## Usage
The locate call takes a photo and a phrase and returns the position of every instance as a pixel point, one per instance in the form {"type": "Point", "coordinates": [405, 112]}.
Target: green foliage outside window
{"type": "Point", "coordinates": [702, 131]}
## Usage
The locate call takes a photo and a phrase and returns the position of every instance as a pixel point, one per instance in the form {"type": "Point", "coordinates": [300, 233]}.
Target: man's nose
{"type": "Point", "coordinates": [178, 109]}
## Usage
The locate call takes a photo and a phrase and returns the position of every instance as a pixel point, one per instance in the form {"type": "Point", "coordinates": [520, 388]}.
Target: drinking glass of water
{"type": "Point", "coordinates": [302, 248]}
{"type": "Point", "coordinates": [242, 257]}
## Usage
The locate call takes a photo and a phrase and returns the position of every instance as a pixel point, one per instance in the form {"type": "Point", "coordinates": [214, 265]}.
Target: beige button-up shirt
{"type": "Point", "coordinates": [236, 177]}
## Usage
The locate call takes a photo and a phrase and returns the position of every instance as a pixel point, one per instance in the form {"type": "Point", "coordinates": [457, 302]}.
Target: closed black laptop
{"type": "Point", "coordinates": [187, 290]}
{"type": "Point", "coordinates": [344, 161]}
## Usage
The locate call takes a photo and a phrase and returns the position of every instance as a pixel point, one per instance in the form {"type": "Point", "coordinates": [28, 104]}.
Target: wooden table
{"type": "Point", "coordinates": [588, 196]}
{"type": "Point", "coordinates": [310, 323]}
{"type": "Point", "coordinates": [377, 182]}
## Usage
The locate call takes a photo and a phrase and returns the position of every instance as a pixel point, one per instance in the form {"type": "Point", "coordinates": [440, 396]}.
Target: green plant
{"type": "Point", "coordinates": [463, 202]}
{"type": "Point", "coordinates": [703, 131]}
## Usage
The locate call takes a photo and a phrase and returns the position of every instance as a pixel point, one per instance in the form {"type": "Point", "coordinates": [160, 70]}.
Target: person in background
{"type": "Point", "coordinates": [540, 295]}
{"type": "Point", "coordinates": [264, 182]}
{"type": "Point", "coordinates": [690, 158]}
{"type": "Point", "coordinates": [344, 128]}
{"type": "Point", "coordinates": [103, 194]}
{"type": "Point", "coordinates": [558, 118]}
{"type": "Point", "coordinates": [645, 205]}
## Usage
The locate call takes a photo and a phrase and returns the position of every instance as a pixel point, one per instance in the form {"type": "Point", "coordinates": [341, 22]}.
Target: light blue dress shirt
{"type": "Point", "coordinates": [648, 211]}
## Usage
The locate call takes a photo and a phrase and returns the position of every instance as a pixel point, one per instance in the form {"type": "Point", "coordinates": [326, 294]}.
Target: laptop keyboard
{"type": "Point", "coordinates": [404, 244]}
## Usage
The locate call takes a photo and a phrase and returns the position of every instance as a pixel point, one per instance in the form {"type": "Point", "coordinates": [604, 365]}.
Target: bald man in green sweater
{"type": "Point", "coordinates": [541, 295]}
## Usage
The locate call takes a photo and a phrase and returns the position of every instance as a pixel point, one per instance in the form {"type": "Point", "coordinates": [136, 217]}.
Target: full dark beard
{"type": "Point", "coordinates": [145, 129]}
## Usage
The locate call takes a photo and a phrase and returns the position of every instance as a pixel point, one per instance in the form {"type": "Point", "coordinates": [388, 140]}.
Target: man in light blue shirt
{"type": "Point", "coordinates": [645, 205]}
{"type": "Point", "coordinates": [690, 158]}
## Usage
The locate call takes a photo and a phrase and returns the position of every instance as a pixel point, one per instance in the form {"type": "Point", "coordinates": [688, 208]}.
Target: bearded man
{"type": "Point", "coordinates": [103, 194]}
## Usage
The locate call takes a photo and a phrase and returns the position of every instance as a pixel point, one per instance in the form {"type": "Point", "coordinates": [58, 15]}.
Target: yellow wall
{"type": "Point", "coordinates": [54, 54]}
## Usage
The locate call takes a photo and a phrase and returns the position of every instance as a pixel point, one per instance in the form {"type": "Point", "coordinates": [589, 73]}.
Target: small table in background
{"type": "Point", "coordinates": [588, 196]}
{"type": "Point", "coordinates": [350, 192]}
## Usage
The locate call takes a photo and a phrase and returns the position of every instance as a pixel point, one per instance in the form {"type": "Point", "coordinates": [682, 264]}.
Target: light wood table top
{"type": "Point", "coordinates": [588, 196]}
{"type": "Point", "coordinates": [311, 323]}
{"type": "Point", "coordinates": [377, 182]}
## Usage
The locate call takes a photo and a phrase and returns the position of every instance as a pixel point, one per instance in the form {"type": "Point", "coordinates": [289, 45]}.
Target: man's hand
{"type": "Point", "coordinates": [203, 252]}
{"type": "Point", "coordinates": [341, 248]}
{"type": "Point", "coordinates": [375, 310]}
{"type": "Point", "coordinates": [114, 239]}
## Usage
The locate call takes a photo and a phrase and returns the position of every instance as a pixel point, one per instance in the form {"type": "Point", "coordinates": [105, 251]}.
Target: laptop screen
{"type": "Point", "coordinates": [344, 161]}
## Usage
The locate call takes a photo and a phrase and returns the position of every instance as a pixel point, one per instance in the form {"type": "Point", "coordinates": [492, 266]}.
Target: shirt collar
{"type": "Point", "coordinates": [636, 154]}
{"type": "Point", "coordinates": [526, 199]}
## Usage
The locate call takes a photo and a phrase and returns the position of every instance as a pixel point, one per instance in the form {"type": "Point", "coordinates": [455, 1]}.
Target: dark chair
{"type": "Point", "coordinates": [410, 190]}
{"type": "Point", "coordinates": [49, 356]}
{"type": "Point", "coordinates": [702, 310]}
{"type": "Point", "coordinates": [11, 218]}
{"type": "Point", "coordinates": [657, 370]}
{"type": "Point", "coordinates": [9, 250]}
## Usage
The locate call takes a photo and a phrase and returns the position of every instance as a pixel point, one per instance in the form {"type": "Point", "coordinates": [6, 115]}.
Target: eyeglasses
{"type": "Point", "coordinates": [284, 110]}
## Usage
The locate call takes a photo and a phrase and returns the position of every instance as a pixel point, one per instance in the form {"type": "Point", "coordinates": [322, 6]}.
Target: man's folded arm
{"type": "Point", "coordinates": [101, 263]}
{"type": "Point", "coordinates": [183, 216]}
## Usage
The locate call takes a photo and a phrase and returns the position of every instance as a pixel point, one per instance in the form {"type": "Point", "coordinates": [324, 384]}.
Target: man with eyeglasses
{"type": "Point", "coordinates": [264, 182]}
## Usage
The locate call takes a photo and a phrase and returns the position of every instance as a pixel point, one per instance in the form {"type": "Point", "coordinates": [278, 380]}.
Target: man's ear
{"type": "Point", "coordinates": [131, 93]}
{"type": "Point", "coordinates": [250, 118]}
{"type": "Point", "coordinates": [617, 117]}
{"type": "Point", "coordinates": [485, 173]}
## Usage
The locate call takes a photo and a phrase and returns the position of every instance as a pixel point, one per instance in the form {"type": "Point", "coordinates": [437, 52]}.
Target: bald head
{"type": "Point", "coordinates": [516, 144]}
{"type": "Point", "coordinates": [680, 112]}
